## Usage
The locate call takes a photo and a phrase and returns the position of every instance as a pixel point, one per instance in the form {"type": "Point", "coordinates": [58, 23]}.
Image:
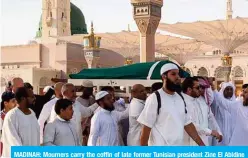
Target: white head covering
{"type": "Point", "coordinates": [45, 90]}
{"type": "Point", "coordinates": [224, 85]}
{"type": "Point", "coordinates": [121, 101]}
{"type": "Point", "coordinates": [87, 84]}
{"type": "Point", "coordinates": [101, 94]}
{"type": "Point", "coordinates": [168, 67]}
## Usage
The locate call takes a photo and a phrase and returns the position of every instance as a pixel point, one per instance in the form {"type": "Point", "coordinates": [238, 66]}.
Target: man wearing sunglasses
{"type": "Point", "coordinates": [201, 115]}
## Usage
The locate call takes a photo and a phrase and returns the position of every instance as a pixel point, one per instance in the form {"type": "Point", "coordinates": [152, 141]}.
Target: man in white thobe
{"type": "Point", "coordinates": [239, 136]}
{"type": "Point", "coordinates": [47, 108]}
{"type": "Point", "coordinates": [20, 127]}
{"type": "Point", "coordinates": [119, 108]}
{"type": "Point", "coordinates": [68, 91]}
{"type": "Point", "coordinates": [62, 131]}
{"type": "Point", "coordinates": [201, 114]}
{"type": "Point", "coordinates": [165, 126]}
{"type": "Point", "coordinates": [104, 123]}
{"type": "Point", "coordinates": [224, 107]}
{"type": "Point", "coordinates": [135, 108]}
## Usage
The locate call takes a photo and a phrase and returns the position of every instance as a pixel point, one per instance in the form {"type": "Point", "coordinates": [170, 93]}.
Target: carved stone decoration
{"type": "Point", "coordinates": [142, 25]}
{"type": "Point", "coordinates": [147, 26]}
{"type": "Point", "coordinates": [155, 24]}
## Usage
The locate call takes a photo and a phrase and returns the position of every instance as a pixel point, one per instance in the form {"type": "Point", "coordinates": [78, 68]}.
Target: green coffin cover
{"type": "Point", "coordinates": [137, 71]}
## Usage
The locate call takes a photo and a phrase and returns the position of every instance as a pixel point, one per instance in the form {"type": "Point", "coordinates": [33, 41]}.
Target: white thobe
{"type": "Point", "coordinates": [224, 109]}
{"type": "Point", "coordinates": [45, 116]}
{"type": "Point", "coordinates": [135, 108]}
{"type": "Point", "coordinates": [104, 128]}
{"type": "Point", "coordinates": [202, 118]}
{"type": "Point", "coordinates": [61, 133]}
{"type": "Point", "coordinates": [239, 135]}
{"type": "Point", "coordinates": [19, 130]}
{"type": "Point", "coordinates": [80, 112]}
{"type": "Point", "coordinates": [167, 128]}
{"type": "Point", "coordinates": [118, 108]}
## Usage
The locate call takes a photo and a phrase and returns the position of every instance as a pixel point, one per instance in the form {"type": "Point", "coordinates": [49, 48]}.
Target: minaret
{"type": "Point", "coordinates": [91, 48]}
{"type": "Point", "coordinates": [56, 18]}
{"type": "Point", "coordinates": [229, 12]}
{"type": "Point", "coordinates": [147, 15]}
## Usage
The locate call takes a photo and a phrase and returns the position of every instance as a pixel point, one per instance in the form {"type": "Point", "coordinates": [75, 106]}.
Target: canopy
{"type": "Point", "coordinates": [139, 71]}
{"type": "Point", "coordinates": [223, 34]}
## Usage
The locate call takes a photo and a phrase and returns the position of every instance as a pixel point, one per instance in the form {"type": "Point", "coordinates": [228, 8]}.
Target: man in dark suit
{"type": "Point", "coordinates": [40, 100]}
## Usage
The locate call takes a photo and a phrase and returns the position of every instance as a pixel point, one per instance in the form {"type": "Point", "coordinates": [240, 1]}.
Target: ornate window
{"type": "Point", "coordinates": [238, 72]}
{"type": "Point", "coordinates": [218, 73]}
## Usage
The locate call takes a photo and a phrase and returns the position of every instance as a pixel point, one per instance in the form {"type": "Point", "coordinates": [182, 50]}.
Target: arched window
{"type": "Point", "coordinates": [202, 72]}
{"type": "Point", "coordinates": [238, 72]}
{"type": "Point", "coordinates": [219, 73]}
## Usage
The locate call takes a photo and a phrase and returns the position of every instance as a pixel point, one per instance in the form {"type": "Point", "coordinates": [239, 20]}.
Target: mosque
{"type": "Point", "coordinates": [61, 48]}
{"type": "Point", "coordinates": [57, 50]}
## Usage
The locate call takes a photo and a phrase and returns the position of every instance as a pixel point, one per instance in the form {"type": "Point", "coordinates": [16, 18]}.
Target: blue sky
{"type": "Point", "coordinates": [20, 18]}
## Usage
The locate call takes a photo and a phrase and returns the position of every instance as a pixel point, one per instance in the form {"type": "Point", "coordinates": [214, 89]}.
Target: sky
{"type": "Point", "coordinates": [20, 18]}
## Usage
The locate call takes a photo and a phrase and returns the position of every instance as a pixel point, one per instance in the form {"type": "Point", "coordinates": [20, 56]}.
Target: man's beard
{"type": "Point", "coordinates": [172, 86]}
{"type": "Point", "coordinates": [30, 105]}
{"type": "Point", "coordinates": [108, 108]}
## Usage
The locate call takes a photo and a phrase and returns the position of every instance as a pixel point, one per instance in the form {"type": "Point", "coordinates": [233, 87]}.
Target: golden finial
{"type": "Point", "coordinates": [92, 27]}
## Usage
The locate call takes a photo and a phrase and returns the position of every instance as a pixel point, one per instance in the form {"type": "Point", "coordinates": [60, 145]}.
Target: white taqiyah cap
{"type": "Point", "coordinates": [87, 84]}
{"type": "Point", "coordinates": [168, 67]}
{"type": "Point", "coordinates": [101, 94]}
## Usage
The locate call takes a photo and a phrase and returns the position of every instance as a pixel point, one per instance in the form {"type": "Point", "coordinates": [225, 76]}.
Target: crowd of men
{"type": "Point", "coordinates": [177, 112]}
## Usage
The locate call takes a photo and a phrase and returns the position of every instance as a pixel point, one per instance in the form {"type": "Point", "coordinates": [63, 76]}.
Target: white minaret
{"type": "Point", "coordinates": [229, 11]}
{"type": "Point", "coordinates": [56, 18]}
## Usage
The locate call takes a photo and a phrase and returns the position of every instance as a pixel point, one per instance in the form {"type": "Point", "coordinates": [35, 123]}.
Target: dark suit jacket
{"type": "Point", "coordinates": [40, 101]}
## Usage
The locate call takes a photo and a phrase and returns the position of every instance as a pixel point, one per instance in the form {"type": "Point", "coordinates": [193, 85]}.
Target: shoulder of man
{"type": "Point", "coordinates": [11, 113]}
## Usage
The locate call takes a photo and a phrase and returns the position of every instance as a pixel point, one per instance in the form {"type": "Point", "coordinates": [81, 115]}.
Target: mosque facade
{"type": "Point", "coordinates": [57, 50]}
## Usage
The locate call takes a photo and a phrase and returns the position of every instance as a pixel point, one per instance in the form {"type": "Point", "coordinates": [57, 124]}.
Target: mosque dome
{"type": "Point", "coordinates": [78, 25]}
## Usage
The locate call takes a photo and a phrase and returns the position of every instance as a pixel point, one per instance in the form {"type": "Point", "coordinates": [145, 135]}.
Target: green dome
{"type": "Point", "coordinates": [78, 25]}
